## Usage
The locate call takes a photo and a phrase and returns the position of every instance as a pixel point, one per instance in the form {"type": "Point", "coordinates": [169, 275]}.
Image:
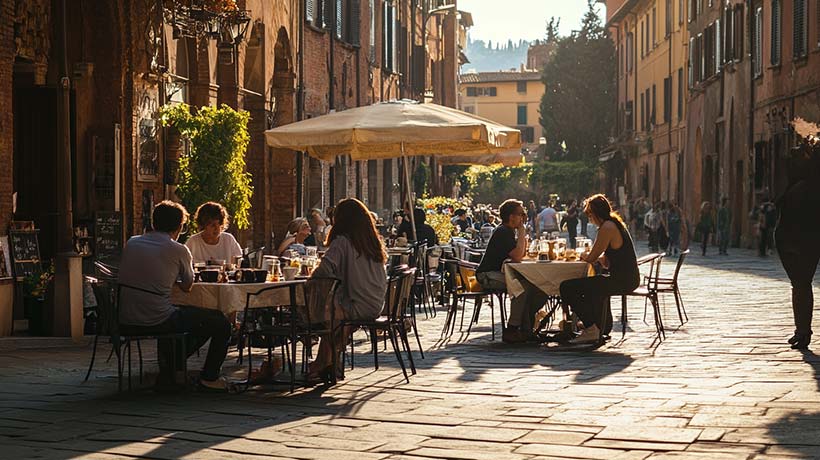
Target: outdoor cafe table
{"type": "Point", "coordinates": [546, 276]}
{"type": "Point", "coordinates": [231, 297]}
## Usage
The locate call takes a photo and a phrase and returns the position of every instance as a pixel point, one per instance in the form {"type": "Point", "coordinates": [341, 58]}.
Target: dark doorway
{"type": "Point", "coordinates": [36, 135]}
{"type": "Point", "coordinates": [708, 179]}
{"type": "Point", "coordinates": [737, 205]}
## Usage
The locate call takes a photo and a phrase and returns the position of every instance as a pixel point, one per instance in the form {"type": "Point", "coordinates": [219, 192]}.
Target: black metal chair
{"type": "Point", "coordinates": [391, 322]}
{"type": "Point", "coordinates": [648, 291]}
{"type": "Point", "coordinates": [670, 285]}
{"type": "Point", "coordinates": [461, 288]}
{"type": "Point", "coordinates": [284, 324]}
{"type": "Point", "coordinates": [108, 309]}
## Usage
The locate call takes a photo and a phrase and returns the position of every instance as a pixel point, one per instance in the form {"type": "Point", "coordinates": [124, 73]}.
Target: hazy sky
{"type": "Point", "coordinates": [500, 20]}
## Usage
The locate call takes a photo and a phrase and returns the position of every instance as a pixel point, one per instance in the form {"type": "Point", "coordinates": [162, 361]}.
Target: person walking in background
{"type": "Point", "coordinates": [706, 225]}
{"type": "Point", "coordinates": [571, 222]}
{"type": "Point", "coordinates": [767, 220]}
{"type": "Point", "coordinates": [724, 223]}
{"type": "Point", "coordinates": [532, 213]}
{"type": "Point", "coordinates": [674, 220]}
{"type": "Point", "coordinates": [650, 224]}
{"type": "Point", "coordinates": [663, 227]}
{"type": "Point", "coordinates": [584, 218]}
{"type": "Point", "coordinates": [547, 220]}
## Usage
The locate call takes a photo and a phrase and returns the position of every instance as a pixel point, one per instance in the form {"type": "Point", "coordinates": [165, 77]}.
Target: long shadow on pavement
{"type": "Point", "coordinates": [798, 432]}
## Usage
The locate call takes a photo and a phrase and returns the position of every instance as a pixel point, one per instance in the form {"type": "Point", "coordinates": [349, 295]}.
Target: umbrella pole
{"type": "Point", "coordinates": [409, 192]}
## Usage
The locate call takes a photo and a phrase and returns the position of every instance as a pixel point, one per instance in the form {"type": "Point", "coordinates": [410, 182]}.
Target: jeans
{"type": "Point", "coordinates": [723, 241]}
{"type": "Point", "coordinates": [589, 298]}
{"type": "Point", "coordinates": [522, 307]}
{"type": "Point", "coordinates": [705, 243]}
{"type": "Point", "coordinates": [799, 259]}
{"type": "Point", "coordinates": [201, 325]}
{"type": "Point", "coordinates": [765, 240]}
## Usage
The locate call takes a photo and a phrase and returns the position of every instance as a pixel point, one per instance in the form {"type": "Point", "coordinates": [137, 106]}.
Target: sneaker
{"type": "Point", "coordinates": [589, 335]}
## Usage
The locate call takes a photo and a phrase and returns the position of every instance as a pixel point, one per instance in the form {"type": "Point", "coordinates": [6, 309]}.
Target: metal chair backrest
{"type": "Point", "coordinates": [473, 256]}
{"type": "Point", "coordinates": [107, 313]}
{"type": "Point", "coordinates": [466, 270]}
{"type": "Point", "coordinates": [392, 295]}
{"type": "Point", "coordinates": [319, 300]}
{"type": "Point", "coordinates": [452, 275]}
{"type": "Point", "coordinates": [432, 259]}
{"type": "Point", "coordinates": [405, 292]}
{"type": "Point", "coordinates": [654, 272]}
{"type": "Point", "coordinates": [106, 271]}
{"type": "Point", "coordinates": [679, 265]}
{"type": "Point", "coordinates": [417, 259]}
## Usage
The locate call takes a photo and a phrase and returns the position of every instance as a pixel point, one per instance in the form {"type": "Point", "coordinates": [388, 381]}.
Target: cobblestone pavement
{"type": "Point", "coordinates": [722, 386]}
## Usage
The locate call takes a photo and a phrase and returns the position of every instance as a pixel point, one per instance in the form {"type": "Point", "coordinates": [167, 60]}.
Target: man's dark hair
{"type": "Point", "coordinates": [210, 212]}
{"type": "Point", "coordinates": [460, 212]}
{"type": "Point", "coordinates": [168, 216]}
{"type": "Point", "coordinates": [419, 216]}
{"type": "Point", "coordinates": [507, 208]}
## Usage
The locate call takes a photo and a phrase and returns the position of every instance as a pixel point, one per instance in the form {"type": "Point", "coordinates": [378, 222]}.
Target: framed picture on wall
{"type": "Point", "coordinates": [148, 137]}
{"type": "Point", "coordinates": [5, 258]}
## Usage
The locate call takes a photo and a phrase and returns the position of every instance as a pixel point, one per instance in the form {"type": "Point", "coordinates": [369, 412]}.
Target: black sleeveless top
{"type": "Point", "coordinates": [623, 263]}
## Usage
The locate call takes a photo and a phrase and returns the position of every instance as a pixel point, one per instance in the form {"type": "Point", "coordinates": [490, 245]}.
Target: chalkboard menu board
{"type": "Point", "coordinates": [108, 235]}
{"type": "Point", "coordinates": [25, 250]}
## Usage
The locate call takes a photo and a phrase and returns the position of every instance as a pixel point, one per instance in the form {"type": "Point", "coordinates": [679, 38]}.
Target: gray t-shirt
{"type": "Point", "coordinates": [363, 280]}
{"type": "Point", "coordinates": [152, 262]}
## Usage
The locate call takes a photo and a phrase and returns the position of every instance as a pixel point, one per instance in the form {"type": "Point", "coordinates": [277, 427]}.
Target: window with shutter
{"type": "Point", "coordinates": [521, 86]}
{"type": "Point", "coordinates": [776, 33]}
{"type": "Point", "coordinates": [372, 6]}
{"type": "Point", "coordinates": [643, 113]}
{"type": "Point", "coordinates": [668, 21]}
{"type": "Point", "coordinates": [690, 62]}
{"type": "Point", "coordinates": [471, 91]}
{"type": "Point", "coordinates": [654, 27]}
{"type": "Point", "coordinates": [394, 58]}
{"type": "Point", "coordinates": [386, 45]}
{"type": "Point", "coordinates": [648, 45]}
{"type": "Point", "coordinates": [338, 25]}
{"type": "Point", "coordinates": [310, 10]}
{"type": "Point", "coordinates": [680, 94]}
{"type": "Point", "coordinates": [493, 91]}
{"type": "Point", "coordinates": [800, 29]}
{"type": "Point", "coordinates": [667, 100]}
{"type": "Point", "coordinates": [354, 14]}
{"type": "Point", "coordinates": [522, 114]}
{"type": "Point", "coordinates": [654, 105]}
{"type": "Point", "coordinates": [716, 46]}
{"type": "Point", "coordinates": [642, 40]}
{"type": "Point", "coordinates": [629, 115]}
{"type": "Point", "coordinates": [758, 33]}
{"type": "Point", "coordinates": [630, 51]}
{"type": "Point", "coordinates": [327, 13]}
{"type": "Point", "coordinates": [680, 12]}
{"type": "Point", "coordinates": [701, 57]}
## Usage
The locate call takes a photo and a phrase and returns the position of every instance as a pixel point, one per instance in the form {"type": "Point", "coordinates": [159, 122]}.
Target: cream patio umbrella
{"type": "Point", "coordinates": [396, 129]}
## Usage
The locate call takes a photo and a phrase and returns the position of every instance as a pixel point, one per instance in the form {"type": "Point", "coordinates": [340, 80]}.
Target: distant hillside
{"type": "Point", "coordinates": [490, 57]}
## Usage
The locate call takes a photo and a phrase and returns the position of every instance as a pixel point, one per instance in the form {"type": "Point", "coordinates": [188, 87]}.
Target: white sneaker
{"type": "Point", "coordinates": [589, 335]}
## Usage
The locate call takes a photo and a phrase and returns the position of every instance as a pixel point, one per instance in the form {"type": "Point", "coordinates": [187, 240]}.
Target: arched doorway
{"type": "Point", "coordinates": [253, 99]}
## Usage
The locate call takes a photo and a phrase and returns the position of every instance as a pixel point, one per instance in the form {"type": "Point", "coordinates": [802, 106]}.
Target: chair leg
{"type": "Point", "coordinates": [139, 354]}
{"type": "Point", "coordinates": [394, 342]}
{"type": "Point", "coordinates": [119, 366]}
{"type": "Point", "coordinates": [476, 313]}
{"type": "Point", "coordinates": [418, 339]}
{"type": "Point", "coordinates": [623, 316]}
{"type": "Point", "coordinates": [406, 341]}
{"type": "Point", "coordinates": [129, 364]}
{"type": "Point", "coordinates": [93, 355]}
{"type": "Point", "coordinates": [492, 316]}
{"type": "Point", "coordinates": [658, 318]}
{"type": "Point", "coordinates": [679, 304]}
{"type": "Point", "coordinates": [374, 344]}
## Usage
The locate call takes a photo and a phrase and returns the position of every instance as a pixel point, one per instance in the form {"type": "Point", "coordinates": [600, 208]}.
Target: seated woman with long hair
{"type": "Point", "coordinates": [614, 250]}
{"type": "Point", "coordinates": [356, 257]}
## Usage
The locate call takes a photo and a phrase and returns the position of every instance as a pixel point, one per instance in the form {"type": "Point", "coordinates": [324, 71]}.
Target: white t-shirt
{"type": "Point", "coordinates": [547, 220]}
{"type": "Point", "coordinates": [225, 249]}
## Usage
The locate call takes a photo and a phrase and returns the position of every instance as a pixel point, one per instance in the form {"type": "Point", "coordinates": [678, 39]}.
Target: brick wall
{"type": "Point", "coordinates": [6, 116]}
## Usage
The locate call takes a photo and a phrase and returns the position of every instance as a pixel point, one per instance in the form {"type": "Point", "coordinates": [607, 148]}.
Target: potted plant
{"type": "Point", "coordinates": [37, 296]}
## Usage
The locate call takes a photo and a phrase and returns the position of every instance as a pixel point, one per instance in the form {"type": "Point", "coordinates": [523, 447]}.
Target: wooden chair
{"type": "Point", "coordinates": [649, 291]}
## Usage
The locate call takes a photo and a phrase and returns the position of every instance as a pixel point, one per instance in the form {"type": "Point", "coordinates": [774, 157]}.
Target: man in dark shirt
{"type": "Point", "coordinates": [424, 232]}
{"type": "Point", "coordinates": [509, 241]}
{"type": "Point", "coordinates": [461, 220]}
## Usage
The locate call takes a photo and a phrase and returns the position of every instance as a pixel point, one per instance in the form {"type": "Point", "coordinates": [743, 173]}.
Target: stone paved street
{"type": "Point", "coordinates": [723, 386]}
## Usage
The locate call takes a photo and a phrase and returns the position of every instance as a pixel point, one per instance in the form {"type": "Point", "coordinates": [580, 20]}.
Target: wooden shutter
{"type": "Point", "coordinates": [327, 13]}
{"type": "Point", "coordinates": [394, 58]}
{"type": "Point", "coordinates": [310, 10]}
{"type": "Point", "coordinates": [385, 36]}
{"type": "Point", "coordinates": [716, 46]}
{"type": "Point", "coordinates": [800, 39]}
{"type": "Point", "coordinates": [776, 33]}
{"type": "Point", "coordinates": [354, 13]}
{"type": "Point", "coordinates": [758, 66]}
{"type": "Point", "coordinates": [338, 13]}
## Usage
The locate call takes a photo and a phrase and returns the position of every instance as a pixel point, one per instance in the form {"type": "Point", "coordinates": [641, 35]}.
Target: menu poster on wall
{"type": "Point", "coordinates": [108, 235]}
{"type": "Point", "coordinates": [5, 258]}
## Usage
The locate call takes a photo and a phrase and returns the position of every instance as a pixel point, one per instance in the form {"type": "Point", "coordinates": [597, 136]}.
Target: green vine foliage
{"type": "Point", "coordinates": [214, 170]}
{"type": "Point", "coordinates": [494, 184]}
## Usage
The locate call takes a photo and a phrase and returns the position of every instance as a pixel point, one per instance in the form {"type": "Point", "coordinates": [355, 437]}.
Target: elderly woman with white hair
{"type": "Point", "coordinates": [298, 231]}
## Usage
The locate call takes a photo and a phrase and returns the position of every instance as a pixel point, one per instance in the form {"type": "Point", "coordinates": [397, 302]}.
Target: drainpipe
{"type": "Point", "coordinates": [330, 69]}
{"type": "Point", "coordinates": [669, 123]}
{"type": "Point", "coordinates": [300, 94]}
{"type": "Point", "coordinates": [751, 138]}
{"type": "Point", "coordinates": [65, 220]}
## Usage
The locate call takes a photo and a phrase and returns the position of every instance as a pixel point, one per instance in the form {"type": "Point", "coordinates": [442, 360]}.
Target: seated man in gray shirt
{"type": "Point", "coordinates": [151, 264]}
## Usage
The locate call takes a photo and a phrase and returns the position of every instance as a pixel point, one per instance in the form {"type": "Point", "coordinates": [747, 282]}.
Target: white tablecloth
{"type": "Point", "coordinates": [546, 276]}
{"type": "Point", "coordinates": [231, 297]}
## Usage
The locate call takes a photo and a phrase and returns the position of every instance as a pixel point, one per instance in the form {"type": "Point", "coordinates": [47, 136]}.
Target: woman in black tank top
{"type": "Point", "coordinates": [587, 296]}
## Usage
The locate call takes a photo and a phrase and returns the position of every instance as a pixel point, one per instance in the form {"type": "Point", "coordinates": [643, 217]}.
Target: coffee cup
{"type": "Point", "coordinates": [290, 273]}
{"type": "Point", "coordinates": [260, 276]}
